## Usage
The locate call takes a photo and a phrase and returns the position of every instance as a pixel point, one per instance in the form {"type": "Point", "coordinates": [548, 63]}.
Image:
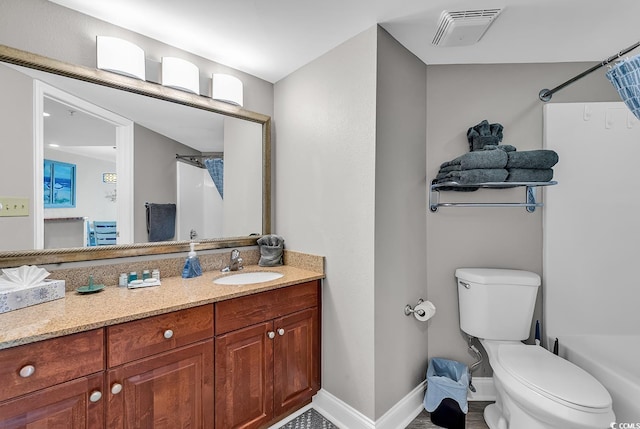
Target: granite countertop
{"type": "Point", "coordinates": [78, 313]}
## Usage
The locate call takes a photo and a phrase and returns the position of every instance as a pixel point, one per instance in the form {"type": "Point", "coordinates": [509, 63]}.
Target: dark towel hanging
{"type": "Point", "coordinates": [161, 221]}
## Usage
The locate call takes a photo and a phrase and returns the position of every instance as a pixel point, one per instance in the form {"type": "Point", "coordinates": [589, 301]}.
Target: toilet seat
{"type": "Point", "coordinates": [553, 377]}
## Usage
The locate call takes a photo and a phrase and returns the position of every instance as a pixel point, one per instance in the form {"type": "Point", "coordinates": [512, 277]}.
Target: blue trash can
{"type": "Point", "coordinates": [446, 396]}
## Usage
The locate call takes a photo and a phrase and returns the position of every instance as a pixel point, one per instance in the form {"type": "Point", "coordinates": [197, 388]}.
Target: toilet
{"type": "Point", "coordinates": [535, 389]}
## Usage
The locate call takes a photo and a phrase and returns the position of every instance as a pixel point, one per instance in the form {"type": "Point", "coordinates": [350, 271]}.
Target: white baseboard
{"type": "Point", "coordinates": [403, 413]}
{"type": "Point", "coordinates": [398, 417]}
{"type": "Point", "coordinates": [340, 413]}
{"type": "Point", "coordinates": [345, 416]}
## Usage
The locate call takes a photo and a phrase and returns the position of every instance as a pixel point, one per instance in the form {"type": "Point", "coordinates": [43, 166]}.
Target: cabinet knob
{"type": "Point", "coordinates": [95, 396]}
{"type": "Point", "coordinates": [280, 331]}
{"type": "Point", "coordinates": [168, 334]}
{"type": "Point", "coordinates": [116, 388]}
{"type": "Point", "coordinates": [27, 371]}
{"type": "Point", "coordinates": [271, 335]}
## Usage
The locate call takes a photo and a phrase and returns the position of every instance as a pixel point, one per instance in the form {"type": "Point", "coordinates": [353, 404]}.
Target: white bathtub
{"type": "Point", "coordinates": [612, 360]}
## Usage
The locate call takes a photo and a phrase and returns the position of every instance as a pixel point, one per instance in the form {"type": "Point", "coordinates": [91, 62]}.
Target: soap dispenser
{"type": "Point", "coordinates": [192, 266]}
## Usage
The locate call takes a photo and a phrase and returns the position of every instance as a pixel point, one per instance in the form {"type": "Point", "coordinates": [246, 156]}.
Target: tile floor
{"type": "Point", "coordinates": [311, 419]}
{"type": "Point", "coordinates": [474, 418]}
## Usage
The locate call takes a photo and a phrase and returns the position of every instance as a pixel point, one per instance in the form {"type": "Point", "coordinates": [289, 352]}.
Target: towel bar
{"type": "Point", "coordinates": [530, 203]}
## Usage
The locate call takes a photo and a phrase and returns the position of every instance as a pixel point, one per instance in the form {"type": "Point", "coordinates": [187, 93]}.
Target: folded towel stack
{"type": "Point", "coordinates": [489, 161]}
{"type": "Point", "coordinates": [531, 165]}
{"type": "Point", "coordinates": [475, 167]}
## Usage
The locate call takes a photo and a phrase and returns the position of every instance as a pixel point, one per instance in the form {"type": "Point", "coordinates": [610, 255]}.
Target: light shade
{"type": "Point", "coordinates": [227, 88]}
{"type": "Point", "coordinates": [119, 56]}
{"type": "Point", "coordinates": [180, 74]}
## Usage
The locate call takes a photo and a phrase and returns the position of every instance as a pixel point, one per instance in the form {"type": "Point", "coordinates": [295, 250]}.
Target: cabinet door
{"type": "Point", "coordinates": [76, 404]}
{"type": "Point", "coordinates": [169, 390]}
{"type": "Point", "coordinates": [244, 377]}
{"type": "Point", "coordinates": [296, 360]}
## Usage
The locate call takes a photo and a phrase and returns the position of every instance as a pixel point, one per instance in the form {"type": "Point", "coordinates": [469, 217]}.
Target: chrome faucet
{"type": "Point", "coordinates": [235, 263]}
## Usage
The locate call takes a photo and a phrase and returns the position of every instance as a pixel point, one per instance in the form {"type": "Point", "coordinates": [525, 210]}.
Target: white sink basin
{"type": "Point", "coordinates": [248, 278]}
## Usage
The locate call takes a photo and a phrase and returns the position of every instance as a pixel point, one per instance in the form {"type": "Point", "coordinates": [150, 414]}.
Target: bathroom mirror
{"type": "Point", "coordinates": [248, 131]}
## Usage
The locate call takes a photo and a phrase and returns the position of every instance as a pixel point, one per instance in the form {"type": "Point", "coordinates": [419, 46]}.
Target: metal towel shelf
{"type": "Point", "coordinates": [530, 203]}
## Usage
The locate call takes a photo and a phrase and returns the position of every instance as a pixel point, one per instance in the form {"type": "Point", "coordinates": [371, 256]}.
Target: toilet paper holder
{"type": "Point", "coordinates": [408, 310]}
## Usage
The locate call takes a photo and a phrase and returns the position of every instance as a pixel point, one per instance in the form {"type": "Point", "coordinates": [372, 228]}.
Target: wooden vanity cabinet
{"type": "Point", "coordinates": [161, 371]}
{"type": "Point", "coordinates": [54, 383]}
{"type": "Point", "coordinates": [267, 355]}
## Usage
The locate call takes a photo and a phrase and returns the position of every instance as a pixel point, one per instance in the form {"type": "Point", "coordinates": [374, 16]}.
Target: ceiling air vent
{"type": "Point", "coordinates": [464, 27]}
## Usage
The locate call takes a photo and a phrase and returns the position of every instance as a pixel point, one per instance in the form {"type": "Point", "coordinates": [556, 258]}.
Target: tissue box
{"type": "Point", "coordinates": [48, 290]}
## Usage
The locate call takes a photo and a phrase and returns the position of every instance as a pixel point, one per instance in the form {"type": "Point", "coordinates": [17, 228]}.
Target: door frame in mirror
{"type": "Point", "coordinates": [123, 144]}
{"type": "Point", "coordinates": [154, 90]}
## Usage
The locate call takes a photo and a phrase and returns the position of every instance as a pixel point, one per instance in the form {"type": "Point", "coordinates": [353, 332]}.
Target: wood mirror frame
{"type": "Point", "coordinates": [149, 89]}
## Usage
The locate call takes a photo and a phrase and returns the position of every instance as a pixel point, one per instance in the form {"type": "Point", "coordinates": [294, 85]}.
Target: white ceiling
{"type": "Point", "coordinates": [272, 38]}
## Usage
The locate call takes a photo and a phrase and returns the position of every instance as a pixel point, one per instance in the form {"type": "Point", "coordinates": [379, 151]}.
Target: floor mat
{"type": "Point", "coordinates": [310, 419]}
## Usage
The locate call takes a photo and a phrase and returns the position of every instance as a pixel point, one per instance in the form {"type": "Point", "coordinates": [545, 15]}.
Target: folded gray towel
{"type": "Point", "coordinates": [449, 168]}
{"type": "Point", "coordinates": [478, 160]}
{"type": "Point", "coordinates": [504, 147]}
{"type": "Point", "coordinates": [479, 175]}
{"type": "Point", "coordinates": [529, 175]}
{"type": "Point", "coordinates": [541, 159]}
{"type": "Point", "coordinates": [464, 177]}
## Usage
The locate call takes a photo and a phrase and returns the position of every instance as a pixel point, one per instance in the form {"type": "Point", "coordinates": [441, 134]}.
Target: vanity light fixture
{"type": "Point", "coordinates": [120, 56]}
{"type": "Point", "coordinates": [227, 88]}
{"type": "Point", "coordinates": [180, 74]}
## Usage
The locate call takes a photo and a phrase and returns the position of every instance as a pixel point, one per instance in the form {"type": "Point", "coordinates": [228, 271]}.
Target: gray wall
{"type": "Point", "coordinates": [400, 229]}
{"type": "Point", "coordinates": [321, 211]}
{"type": "Point", "coordinates": [154, 174]}
{"type": "Point", "coordinates": [458, 97]}
{"type": "Point", "coordinates": [16, 148]}
{"type": "Point", "coordinates": [325, 124]}
{"type": "Point", "coordinates": [351, 186]}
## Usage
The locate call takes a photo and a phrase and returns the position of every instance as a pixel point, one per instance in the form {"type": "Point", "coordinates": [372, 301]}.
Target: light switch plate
{"type": "Point", "coordinates": [14, 206]}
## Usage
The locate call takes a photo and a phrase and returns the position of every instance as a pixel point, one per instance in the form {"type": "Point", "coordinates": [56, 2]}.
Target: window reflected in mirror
{"type": "Point", "coordinates": [59, 184]}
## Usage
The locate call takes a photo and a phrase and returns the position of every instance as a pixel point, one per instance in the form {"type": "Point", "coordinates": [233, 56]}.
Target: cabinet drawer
{"type": "Point", "coordinates": [145, 337]}
{"type": "Point", "coordinates": [237, 313]}
{"type": "Point", "coordinates": [31, 367]}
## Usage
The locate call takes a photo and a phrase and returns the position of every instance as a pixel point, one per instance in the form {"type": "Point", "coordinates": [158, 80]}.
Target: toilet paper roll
{"type": "Point", "coordinates": [424, 311]}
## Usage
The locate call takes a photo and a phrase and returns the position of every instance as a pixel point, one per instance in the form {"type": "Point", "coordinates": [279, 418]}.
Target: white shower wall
{"type": "Point", "coordinates": [199, 203]}
{"type": "Point", "coordinates": [591, 220]}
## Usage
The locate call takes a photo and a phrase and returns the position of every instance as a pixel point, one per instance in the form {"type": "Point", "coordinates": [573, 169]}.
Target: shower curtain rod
{"type": "Point", "coordinates": [195, 159]}
{"type": "Point", "coordinates": [545, 94]}
{"type": "Point", "coordinates": [210, 155]}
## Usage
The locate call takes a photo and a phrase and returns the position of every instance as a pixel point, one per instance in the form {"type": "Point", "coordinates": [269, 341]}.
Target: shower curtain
{"type": "Point", "coordinates": [625, 77]}
{"type": "Point", "coordinates": [215, 166]}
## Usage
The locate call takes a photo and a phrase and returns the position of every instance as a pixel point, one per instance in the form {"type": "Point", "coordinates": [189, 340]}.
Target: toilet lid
{"type": "Point", "coordinates": [553, 376]}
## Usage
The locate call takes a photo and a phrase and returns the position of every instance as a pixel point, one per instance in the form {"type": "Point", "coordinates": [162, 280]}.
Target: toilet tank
{"type": "Point", "coordinates": [496, 304]}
